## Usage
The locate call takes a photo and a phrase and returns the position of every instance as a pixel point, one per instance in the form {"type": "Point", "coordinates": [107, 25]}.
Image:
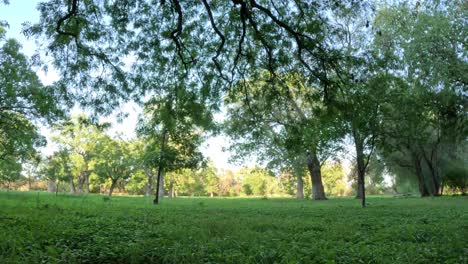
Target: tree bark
{"type": "Point", "coordinates": [361, 170]}
{"type": "Point", "coordinates": [435, 190]}
{"type": "Point", "coordinates": [161, 185]}
{"type": "Point", "coordinates": [72, 186]}
{"type": "Point", "coordinates": [158, 182]}
{"type": "Point", "coordinates": [171, 189]}
{"type": "Point", "coordinates": [432, 165]}
{"type": "Point", "coordinates": [359, 189]}
{"type": "Point", "coordinates": [113, 184]}
{"type": "Point", "coordinates": [160, 168]}
{"type": "Point", "coordinates": [149, 184]}
{"type": "Point", "coordinates": [419, 175]}
{"type": "Point", "coordinates": [300, 187]}
{"type": "Point", "coordinates": [313, 165]}
{"type": "Point", "coordinates": [86, 175]}
{"type": "Point", "coordinates": [435, 183]}
{"type": "Point", "coordinates": [81, 180]}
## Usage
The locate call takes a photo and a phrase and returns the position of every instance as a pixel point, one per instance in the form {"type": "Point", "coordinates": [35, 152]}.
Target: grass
{"type": "Point", "coordinates": [41, 228]}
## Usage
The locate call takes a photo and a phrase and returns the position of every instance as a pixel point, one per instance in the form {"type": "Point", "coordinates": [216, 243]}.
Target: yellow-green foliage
{"type": "Point", "coordinates": [333, 176]}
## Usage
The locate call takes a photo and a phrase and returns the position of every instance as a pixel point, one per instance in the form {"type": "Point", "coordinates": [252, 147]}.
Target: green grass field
{"type": "Point", "coordinates": [41, 228]}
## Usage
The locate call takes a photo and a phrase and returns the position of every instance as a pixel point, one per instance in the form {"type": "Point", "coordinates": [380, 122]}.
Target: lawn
{"type": "Point", "coordinates": [38, 227]}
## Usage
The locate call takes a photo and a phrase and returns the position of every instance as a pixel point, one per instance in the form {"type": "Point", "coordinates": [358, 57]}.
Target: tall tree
{"type": "Point", "coordinates": [173, 124]}
{"type": "Point", "coordinates": [283, 119]}
{"type": "Point", "coordinates": [114, 160]}
{"type": "Point", "coordinates": [79, 135]}
{"type": "Point", "coordinates": [426, 44]}
{"type": "Point", "coordinates": [23, 101]}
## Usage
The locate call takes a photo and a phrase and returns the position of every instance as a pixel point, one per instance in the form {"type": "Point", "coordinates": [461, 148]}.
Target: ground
{"type": "Point", "coordinates": [37, 227]}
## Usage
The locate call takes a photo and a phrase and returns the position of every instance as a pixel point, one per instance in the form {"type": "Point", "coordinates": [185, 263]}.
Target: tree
{"type": "Point", "coordinates": [173, 124]}
{"type": "Point", "coordinates": [424, 43]}
{"type": "Point", "coordinates": [23, 100]}
{"type": "Point", "coordinates": [79, 136]}
{"type": "Point", "coordinates": [114, 160]}
{"type": "Point", "coordinates": [56, 169]}
{"type": "Point", "coordinates": [10, 170]}
{"type": "Point", "coordinates": [362, 84]}
{"type": "Point", "coordinates": [210, 178]}
{"type": "Point", "coordinates": [285, 122]}
{"type": "Point", "coordinates": [258, 181]}
{"type": "Point", "coordinates": [333, 175]}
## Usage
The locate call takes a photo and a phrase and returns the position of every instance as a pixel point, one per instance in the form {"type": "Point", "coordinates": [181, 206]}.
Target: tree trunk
{"type": "Point", "coordinates": [435, 190]}
{"type": "Point", "coordinates": [171, 189]}
{"type": "Point", "coordinates": [51, 186]}
{"type": "Point", "coordinates": [72, 186]}
{"type": "Point", "coordinates": [434, 179]}
{"type": "Point", "coordinates": [361, 170]}
{"type": "Point", "coordinates": [161, 186]}
{"type": "Point", "coordinates": [29, 182]}
{"type": "Point", "coordinates": [359, 189]}
{"type": "Point", "coordinates": [160, 168]}
{"type": "Point", "coordinates": [113, 184]}
{"type": "Point", "coordinates": [86, 175]}
{"type": "Point", "coordinates": [81, 180]}
{"type": "Point", "coordinates": [158, 182]}
{"type": "Point", "coordinates": [418, 171]}
{"type": "Point", "coordinates": [149, 184]}
{"type": "Point", "coordinates": [300, 187]}
{"type": "Point", "coordinates": [313, 164]}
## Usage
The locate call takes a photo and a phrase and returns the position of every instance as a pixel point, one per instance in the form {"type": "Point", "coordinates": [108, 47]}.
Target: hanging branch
{"type": "Point", "coordinates": [221, 36]}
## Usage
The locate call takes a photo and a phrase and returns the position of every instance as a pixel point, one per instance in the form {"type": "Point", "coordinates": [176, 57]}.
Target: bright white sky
{"type": "Point", "coordinates": [20, 11]}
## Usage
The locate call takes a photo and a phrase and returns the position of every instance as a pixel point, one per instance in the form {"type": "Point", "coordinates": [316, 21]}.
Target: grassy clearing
{"type": "Point", "coordinates": [39, 227]}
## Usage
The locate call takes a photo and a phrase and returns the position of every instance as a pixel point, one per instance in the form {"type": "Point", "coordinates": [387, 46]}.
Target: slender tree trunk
{"type": "Point", "coordinates": [361, 170]}
{"type": "Point", "coordinates": [87, 184]}
{"type": "Point", "coordinates": [113, 184]}
{"type": "Point", "coordinates": [171, 189]}
{"type": "Point", "coordinates": [149, 184]}
{"type": "Point", "coordinates": [29, 182]}
{"type": "Point", "coordinates": [300, 187]}
{"type": "Point", "coordinates": [161, 186]}
{"type": "Point", "coordinates": [158, 180]}
{"type": "Point", "coordinates": [160, 168]}
{"type": "Point", "coordinates": [72, 186]}
{"type": "Point", "coordinates": [57, 188]}
{"type": "Point", "coordinates": [86, 175]}
{"type": "Point", "coordinates": [313, 164]}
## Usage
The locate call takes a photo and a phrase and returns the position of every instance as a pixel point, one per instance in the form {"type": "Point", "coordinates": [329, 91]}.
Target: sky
{"type": "Point", "coordinates": [21, 11]}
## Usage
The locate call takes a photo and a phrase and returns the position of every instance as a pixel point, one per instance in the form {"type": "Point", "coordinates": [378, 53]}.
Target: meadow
{"type": "Point", "coordinates": [38, 227]}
